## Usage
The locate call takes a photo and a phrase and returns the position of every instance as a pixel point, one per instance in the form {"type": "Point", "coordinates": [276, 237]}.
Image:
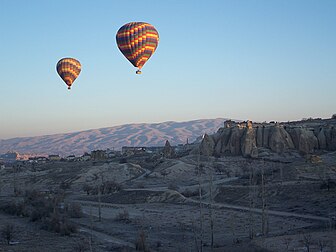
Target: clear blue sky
{"type": "Point", "coordinates": [258, 59]}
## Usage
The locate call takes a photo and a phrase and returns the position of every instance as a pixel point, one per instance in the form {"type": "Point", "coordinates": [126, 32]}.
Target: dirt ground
{"type": "Point", "coordinates": [161, 203]}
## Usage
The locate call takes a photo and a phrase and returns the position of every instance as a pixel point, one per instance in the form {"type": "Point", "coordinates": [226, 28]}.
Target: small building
{"type": "Point", "coordinates": [85, 157]}
{"type": "Point", "coordinates": [98, 155]}
{"type": "Point", "coordinates": [70, 158]}
{"type": "Point", "coordinates": [10, 156]}
{"type": "Point", "coordinates": [41, 159]}
{"type": "Point", "coordinates": [129, 151]}
{"type": "Point", "coordinates": [54, 157]}
{"type": "Point", "coordinates": [112, 153]}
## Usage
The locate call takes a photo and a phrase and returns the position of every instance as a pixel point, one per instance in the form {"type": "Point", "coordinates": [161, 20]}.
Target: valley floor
{"type": "Point", "coordinates": [157, 203]}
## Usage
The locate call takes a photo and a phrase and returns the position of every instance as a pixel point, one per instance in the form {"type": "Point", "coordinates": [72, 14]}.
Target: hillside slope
{"type": "Point", "coordinates": [113, 137]}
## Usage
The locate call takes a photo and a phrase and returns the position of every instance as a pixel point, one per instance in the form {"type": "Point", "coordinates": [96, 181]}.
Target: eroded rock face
{"type": "Point", "coordinates": [247, 140]}
{"type": "Point", "coordinates": [279, 140]}
{"type": "Point", "coordinates": [330, 134]}
{"type": "Point", "coordinates": [248, 143]}
{"type": "Point", "coordinates": [168, 151]}
{"type": "Point", "coordinates": [322, 140]}
{"type": "Point", "coordinates": [304, 140]}
{"type": "Point", "coordinates": [207, 146]}
{"type": "Point", "coordinates": [260, 134]}
{"type": "Point", "coordinates": [234, 144]}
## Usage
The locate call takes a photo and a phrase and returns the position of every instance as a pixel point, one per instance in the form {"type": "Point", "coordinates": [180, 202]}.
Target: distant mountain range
{"type": "Point", "coordinates": [144, 134]}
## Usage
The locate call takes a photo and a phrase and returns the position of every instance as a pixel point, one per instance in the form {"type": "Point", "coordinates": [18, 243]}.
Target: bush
{"type": "Point", "coordinates": [65, 185]}
{"type": "Point", "coordinates": [67, 228]}
{"type": "Point", "coordinates": [140, 244]}
{"type": "Point", "coordinates": [81, 246]}
{"type": "Point", "coordinates": [75, 210]}
{"type": "Point", "coordinates": [59, 224]}
{"type": "Point", "coordinates": [13, 208]}
{"type": "Point", "coordinates": [122, 161]}
{"type": "Point", "coordinates": [87, 188]}
{"type": "Point", "coordinates": [123, 216]}
{"type": "Point", "coordinates": [173, 186]}
{"type": "Point", "coordinates": [110, 187]}
{"type": "Point", "coordinates": [188, 193]}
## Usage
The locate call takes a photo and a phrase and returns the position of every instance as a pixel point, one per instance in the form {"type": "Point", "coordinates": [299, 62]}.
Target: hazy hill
{"type": "Point", "coordinates": [144, 134]}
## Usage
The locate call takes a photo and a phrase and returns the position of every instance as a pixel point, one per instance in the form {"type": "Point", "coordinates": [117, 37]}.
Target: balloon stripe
{"type": "Point", "coordinates": [68, 69]}
{"type": "Point", "coordinates": [137, 41]}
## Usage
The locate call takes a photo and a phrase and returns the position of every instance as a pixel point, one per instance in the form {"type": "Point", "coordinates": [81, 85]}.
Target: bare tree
{"type": "Point", "coordinates": [140, 244]}
{"type": "Point", "coordinates": [200, 202]}
{"type": "Point", "coordinates": [7, 232]}
{"type": "Point", "coordinates": [287, 242]}
{"type": "Point", "coordinates": [252, 196]}
{"type": "Point", "coordinates": [195, 235]}
{"type": "Point", "coordinates": [211, 213]}
{"type": "Point", "coordinates": [322, 244]}
{"type": "Point", "coordinates": [307, 241]}
{"type": "Point", "coordinates": [264, 216]}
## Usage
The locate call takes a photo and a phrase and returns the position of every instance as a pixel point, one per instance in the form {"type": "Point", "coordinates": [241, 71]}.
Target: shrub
{"type": "Point", "coordinates": [110, 187]}
{"type": "Point", "coordinates": [67, 228]}
{"type": "Point", "coordinates": [122, 161]}
{"type": "Point", "coordinates": [87, 188]}
{"type": "Point", "coordinates": [123, 216]}
{"type": "Point", "coordinates": [189, 193]}
{"type": "Point", "coordinates": [140, 244]}
{"type": "Point", "coordinates": [13, 208]}
{"type": "Point", "coordinates": [81, 246]}
{"type": "Point", "coordinates": [64, 185]}
{"type": "Point", "coordinates": [59, 224]}
{"type": "Point", "coordinates": [75, 210]}
{"type": "Point", "coordinates": [173, 186]}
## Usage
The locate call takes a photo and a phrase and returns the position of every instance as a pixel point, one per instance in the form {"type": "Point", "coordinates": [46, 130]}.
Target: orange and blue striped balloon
{"type": "Point", "coordinates": [68, 69]}
{"type": "Point", "coordinates": [137, 41]}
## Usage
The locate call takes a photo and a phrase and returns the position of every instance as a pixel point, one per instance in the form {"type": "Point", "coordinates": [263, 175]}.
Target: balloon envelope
{"type": "Point", "coordinates": [68, 69]}
{"type": "Point", "coordinates": [137, 41]}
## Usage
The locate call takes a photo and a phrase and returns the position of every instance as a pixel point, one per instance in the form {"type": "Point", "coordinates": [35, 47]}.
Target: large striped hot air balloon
{"type": "Point", "coordinates": [68, 69]}
{"type": "Point", "coordinates": [137, 41]}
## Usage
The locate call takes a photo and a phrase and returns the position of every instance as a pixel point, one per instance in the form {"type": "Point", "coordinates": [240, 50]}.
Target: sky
{"type": "Point", "coordinates": [258, 59]}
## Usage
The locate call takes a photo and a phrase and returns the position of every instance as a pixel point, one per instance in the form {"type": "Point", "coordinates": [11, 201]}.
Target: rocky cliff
{"type": "Point", "coordinates": [262, 139]}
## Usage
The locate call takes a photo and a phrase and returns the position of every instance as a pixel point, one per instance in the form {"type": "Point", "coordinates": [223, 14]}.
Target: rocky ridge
{"type": "Point", "coordinates": [259, 140]}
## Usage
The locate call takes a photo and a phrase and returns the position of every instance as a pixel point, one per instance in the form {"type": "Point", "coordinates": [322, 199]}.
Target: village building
{"type": "Point", "coordinates": [98, 155]}
{"type": "Point", "coordinates": [54, 157]}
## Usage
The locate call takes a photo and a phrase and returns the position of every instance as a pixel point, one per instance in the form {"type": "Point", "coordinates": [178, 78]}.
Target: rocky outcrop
{"type": "Point", "coordinates": [207, 145]}
{"type": "Point", "coordinates": [249, 143]}
{"type": "Point", "coordinates": [322, 140]}
{"type": "Point", "coordinates": [233, 144]}
{"type": "Point", "coordinates": [253, 141]}
{"type": "Point", "coordinates": [331, 138]}
{"type": "Point", "coordinates": [304, 140]}
{"type": "Point", "coordinates": [279, 140]}
{"type": "Point", "coordinates": [168, 151]}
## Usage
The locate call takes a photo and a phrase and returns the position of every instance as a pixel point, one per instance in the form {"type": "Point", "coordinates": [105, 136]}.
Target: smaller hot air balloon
{"type": "Point", "coordinates": [137, 41]}
{"type": "Point", "coordinates": [68, 69]}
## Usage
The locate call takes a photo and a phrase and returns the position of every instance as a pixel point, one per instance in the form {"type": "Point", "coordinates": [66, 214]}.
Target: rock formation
{"type": "Point", "coordinates": [168, 151]}
{"type": "Point", "coordinates": [253, 141]}
{"type": "Point", "coordinates": [207, 145]}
